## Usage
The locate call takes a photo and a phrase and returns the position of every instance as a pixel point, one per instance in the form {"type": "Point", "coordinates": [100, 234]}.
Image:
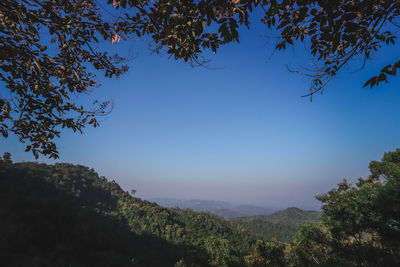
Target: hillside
{"type": "Point", "coordinates": [220, 208]}
{"type": "Point", "coordinates": [293, 215]}
{"type": "Point", "coordinates": [67, 215]}
{"type": "Point", "coordinates": [281, 225]}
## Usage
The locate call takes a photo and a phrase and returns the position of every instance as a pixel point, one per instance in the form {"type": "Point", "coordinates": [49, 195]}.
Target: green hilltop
{"type": "Point", "coordinates": [281, 225]}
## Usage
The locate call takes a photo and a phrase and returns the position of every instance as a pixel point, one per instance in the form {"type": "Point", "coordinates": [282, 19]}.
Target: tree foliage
{"type": "Point", "coordinates": [267, 253]}
{"type": "Point", "coordinates": [47, 49]}
{"type": "Point", "coordinates": [336, 32]}
{"type": "Point", "coordinates": [7, 157]}
{"type": "Point", "coordinates": [364, 220]}
{"type": "Point", "coordinates": [360, 225]}
{"type": "Point", "coordinates": [52, 49]}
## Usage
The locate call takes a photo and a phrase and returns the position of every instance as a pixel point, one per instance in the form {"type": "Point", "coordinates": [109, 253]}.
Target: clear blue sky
{"type": "Point", "coordinates": [240, 133]}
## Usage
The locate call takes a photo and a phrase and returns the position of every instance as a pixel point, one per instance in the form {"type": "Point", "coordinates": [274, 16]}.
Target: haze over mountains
{"type": "Point", "coordinates": [220, 208]}
{"type": "Point", "coordinates": [263, 222]}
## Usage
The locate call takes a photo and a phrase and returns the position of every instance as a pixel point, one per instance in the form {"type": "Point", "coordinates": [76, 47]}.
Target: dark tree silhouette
{"type": "Point", "coordinates": [49, 47]}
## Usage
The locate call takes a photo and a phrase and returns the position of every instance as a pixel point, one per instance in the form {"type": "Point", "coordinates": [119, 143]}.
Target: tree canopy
{"type": "Point", "coordinates": [51, 49]}
{"type": "Point", "coordinates": [336, 32]}
{"type": "Point", "coordinates": [67, 214]}
{"type": "Point", "coordinates": [360, 225]}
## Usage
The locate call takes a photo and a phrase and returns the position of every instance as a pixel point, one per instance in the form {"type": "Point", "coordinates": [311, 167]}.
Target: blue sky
{"type": "Point", "coordinates": [238, 133]}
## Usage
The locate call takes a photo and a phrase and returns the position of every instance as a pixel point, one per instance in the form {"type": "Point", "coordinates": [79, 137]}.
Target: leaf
{"type": "Point", "coordinates": [37, 64]}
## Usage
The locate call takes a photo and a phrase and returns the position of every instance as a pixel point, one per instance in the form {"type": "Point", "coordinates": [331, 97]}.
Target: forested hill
{"type": "Point", "coordinates": [67, 215]}
{"type": "Point", "coordinates": [282, 225]}
{"type": "Point", "coordinates": [293, 215]}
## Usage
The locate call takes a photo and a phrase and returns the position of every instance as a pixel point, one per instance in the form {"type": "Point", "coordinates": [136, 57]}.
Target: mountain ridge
{"type": "Point", "coordinates": [281, 225]}
{"type": "Point", "coordinates": [224, 209]}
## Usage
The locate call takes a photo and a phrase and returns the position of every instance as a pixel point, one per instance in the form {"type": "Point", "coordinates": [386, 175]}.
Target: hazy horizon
{"type": "Point", "coordinates": [240, 133]}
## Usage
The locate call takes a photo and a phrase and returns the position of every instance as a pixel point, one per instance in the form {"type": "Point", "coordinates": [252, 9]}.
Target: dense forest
{"type": "Point", "coordinates": [281, 225]}
{"type": "Point", "coordinates": [68, 215]}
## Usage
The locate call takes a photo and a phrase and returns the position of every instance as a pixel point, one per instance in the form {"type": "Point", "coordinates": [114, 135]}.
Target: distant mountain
{"type": "Point", "coordinates": [220, 208]}
{"type": "Point", "coordinates": [195, 204]}
{"type": "Point", "coordinates": [250, 210]}
{"type": "Point", "coordinates": [281, 225]}
{"type": "Point", "coordinates": [293, 215]}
